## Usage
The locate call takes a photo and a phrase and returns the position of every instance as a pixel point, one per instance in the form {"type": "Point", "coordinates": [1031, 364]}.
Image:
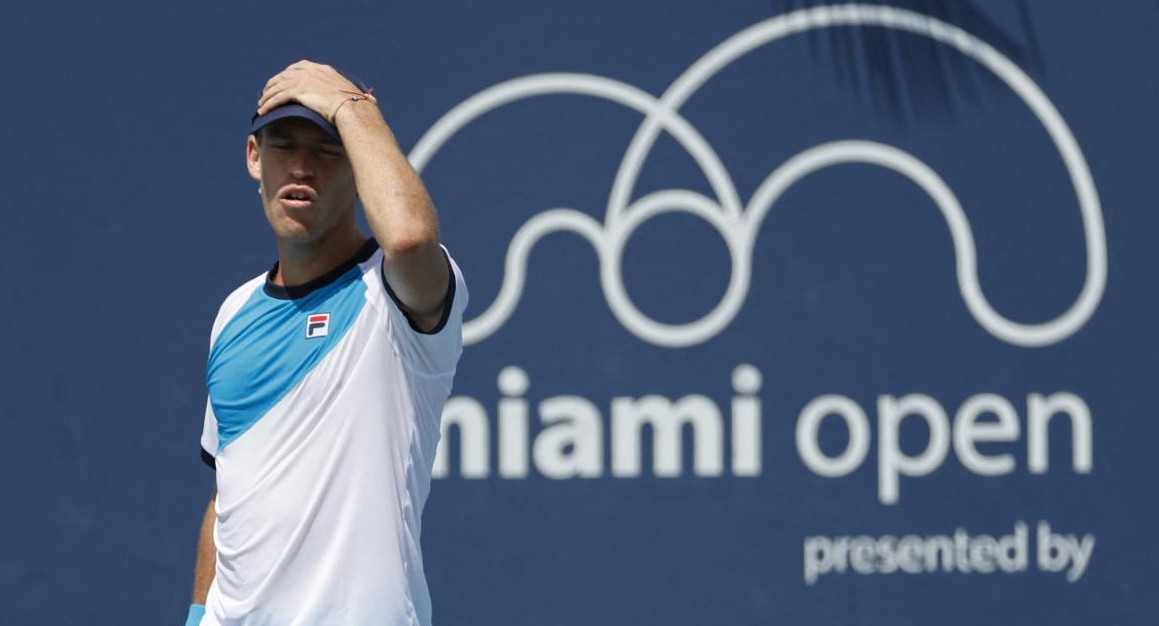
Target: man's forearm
{"type": "Point", "coordinates": [206, 555]}
{"type": "Point", "coordinates": [389, 188]}
{"type": "Point", "coordinates": [398, 208]}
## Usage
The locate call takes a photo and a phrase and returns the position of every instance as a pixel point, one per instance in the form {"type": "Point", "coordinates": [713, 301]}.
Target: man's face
{"type": "Point", "coordinates": [306, 180]}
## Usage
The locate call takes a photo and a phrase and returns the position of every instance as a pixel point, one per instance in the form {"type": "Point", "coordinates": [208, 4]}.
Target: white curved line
{"type": "Point", "coordinates": [869, 152]}
{"type": "Point", "coordinates": [738, 228]}
{"type": "Point", "coordinates": [611, 276]}
{"type": "Point", "coordinates": [582, 84]}
{"type": "Point", "coordinates": [760, 34]}
{"type": "Point", "coordinates": [515, 267]}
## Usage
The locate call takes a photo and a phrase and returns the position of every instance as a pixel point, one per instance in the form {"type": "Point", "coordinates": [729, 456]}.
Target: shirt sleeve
{"type": "Point", "coordinates": [433, 353]}
{"type": "Point", "coordinates": [228, 308]}
{"type": "Point", "coordinates": [209, 436]}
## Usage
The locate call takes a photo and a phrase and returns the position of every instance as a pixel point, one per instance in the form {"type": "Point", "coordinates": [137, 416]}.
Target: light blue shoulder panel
{"type": "Point", "coordinates": [264, 351]}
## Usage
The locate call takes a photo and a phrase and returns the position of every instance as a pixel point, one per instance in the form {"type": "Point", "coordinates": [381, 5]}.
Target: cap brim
{"type": "Point", "coordinates": [292, 110]}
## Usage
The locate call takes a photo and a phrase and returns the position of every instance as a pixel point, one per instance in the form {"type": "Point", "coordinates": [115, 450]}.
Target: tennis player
{"type": "Point", "coordinates": [327, 375]}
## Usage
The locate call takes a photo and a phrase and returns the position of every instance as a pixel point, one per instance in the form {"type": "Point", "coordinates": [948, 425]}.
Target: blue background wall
{"type": "Point", "coordinates": [128, 216]}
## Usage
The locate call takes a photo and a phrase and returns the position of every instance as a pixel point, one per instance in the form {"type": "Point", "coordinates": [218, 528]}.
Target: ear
{"type": "Point", "coordinates": [253, 158]}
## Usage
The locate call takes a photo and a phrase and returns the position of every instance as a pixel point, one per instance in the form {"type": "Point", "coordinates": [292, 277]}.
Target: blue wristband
{"type": "Point", "coordinates": [196, 612]}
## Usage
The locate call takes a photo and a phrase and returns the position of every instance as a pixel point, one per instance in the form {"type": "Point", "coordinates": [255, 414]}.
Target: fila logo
{"type": "Point", "coordinates": [317, 325]}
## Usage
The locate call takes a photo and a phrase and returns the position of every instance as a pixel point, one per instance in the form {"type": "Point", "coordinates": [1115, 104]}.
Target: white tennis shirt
{"type": "Point", "coordinates": [322, 421]}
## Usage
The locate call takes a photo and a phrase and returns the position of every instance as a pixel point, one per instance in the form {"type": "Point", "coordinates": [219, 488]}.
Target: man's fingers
{"type": "Point", "coordinates": [267, 93]}
{"type": "Point", "coordinates": [296, 69]}
{"type": "Point", "coordinates": [277, 78]}
{"type": "Point", "coordinates": [312, 84]}
{"type": "Point", "coordinates": [283, 86]}
{"type": "Point", "coordinates": [273, 101]}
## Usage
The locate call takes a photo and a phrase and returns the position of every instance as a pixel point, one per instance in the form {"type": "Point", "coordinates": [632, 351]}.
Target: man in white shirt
{"type": "Point", "coordinates": [327, 375]}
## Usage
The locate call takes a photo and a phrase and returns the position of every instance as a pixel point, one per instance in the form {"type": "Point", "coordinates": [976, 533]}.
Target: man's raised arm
{"type": "Point", "coordinates": [398, 208]}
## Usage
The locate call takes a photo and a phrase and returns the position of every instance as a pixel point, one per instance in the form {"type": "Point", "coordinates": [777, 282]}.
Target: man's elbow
{"type": "Point", "coordinates": [411, 243]}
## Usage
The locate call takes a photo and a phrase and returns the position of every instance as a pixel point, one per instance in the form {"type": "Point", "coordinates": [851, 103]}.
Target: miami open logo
{"type": "Point", "coordinates": [738, 221]}
{"type": "Point", "coordinates": [570, 435]}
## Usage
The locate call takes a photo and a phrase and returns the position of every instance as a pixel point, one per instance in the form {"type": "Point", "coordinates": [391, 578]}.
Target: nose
{"type": "Point", "coordinates": [301, 163]}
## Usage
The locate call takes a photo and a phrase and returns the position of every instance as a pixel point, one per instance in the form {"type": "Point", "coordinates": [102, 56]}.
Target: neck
{"type": "Point", "coordinates": [301, 262]}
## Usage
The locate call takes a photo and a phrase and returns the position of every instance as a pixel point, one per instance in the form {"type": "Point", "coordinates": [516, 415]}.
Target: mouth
{"type": "Point", "coordinates": [297, 196]}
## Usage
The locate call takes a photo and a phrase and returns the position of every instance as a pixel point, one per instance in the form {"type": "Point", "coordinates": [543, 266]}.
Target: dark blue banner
{"type": "Point", "coordinates": [790, 312]}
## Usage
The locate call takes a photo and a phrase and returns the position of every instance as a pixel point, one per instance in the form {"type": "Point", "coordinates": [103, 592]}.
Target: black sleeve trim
{"type": "Point", "coordinates": [448, 300]}
{"type": "Point", "coordinates": [208, 458]}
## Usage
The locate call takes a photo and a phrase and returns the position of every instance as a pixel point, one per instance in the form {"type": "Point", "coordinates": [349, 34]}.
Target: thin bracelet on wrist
{"type": "Point", "coordinates": [355, 96]}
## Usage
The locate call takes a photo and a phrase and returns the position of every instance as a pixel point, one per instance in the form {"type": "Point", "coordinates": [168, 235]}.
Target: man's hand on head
{"type": "Point", "coordinates": [318, 87]}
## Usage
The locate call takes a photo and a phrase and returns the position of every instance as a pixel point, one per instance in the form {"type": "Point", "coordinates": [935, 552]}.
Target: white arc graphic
{"type": "Point", "coordinates": [738, 225]}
